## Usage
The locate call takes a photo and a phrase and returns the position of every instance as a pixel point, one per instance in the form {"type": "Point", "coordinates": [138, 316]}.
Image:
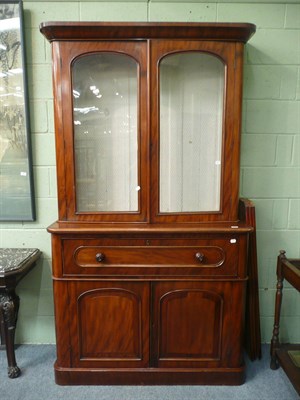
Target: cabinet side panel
{"type": "Point", "coordinates": [58, 125]}
{"type": "Point", "coordinates": [235, 122]}
{"type": "Point", "coordinates": [57, 256]}
{"type": "Point", "coordinates": [234, 340]}
{"type": "Point", "coordinates": [62, 324]}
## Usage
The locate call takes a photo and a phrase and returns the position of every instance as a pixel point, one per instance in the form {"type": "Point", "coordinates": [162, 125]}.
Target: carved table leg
{"type": "Point", "coordinates": [278, 300]}
{"type": "Point", "coordinates": [9, 307]}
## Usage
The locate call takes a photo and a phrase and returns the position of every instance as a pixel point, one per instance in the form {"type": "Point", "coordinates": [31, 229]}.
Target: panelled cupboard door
{"type": "Point", "coordinates": [109, 324]}
{"type": "Point", "coordinates": [195, 114]}
{"type": "Point", "coordinates": [101, 130]}
{"type": "Point", "coordinates": [197, 324]}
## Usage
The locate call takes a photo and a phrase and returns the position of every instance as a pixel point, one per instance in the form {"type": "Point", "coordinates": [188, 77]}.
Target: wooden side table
{"type": "Point", "coordinates": [285, 355]}
{"type": "Point", "coordinates": [14, 265]}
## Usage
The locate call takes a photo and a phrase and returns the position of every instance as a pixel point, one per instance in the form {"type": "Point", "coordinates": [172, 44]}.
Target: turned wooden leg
{"type": "Point", "coordinates": [2, 345]}
{"type": "Point", "coordinates": [278, 300]}
{"type": "Point", "coordinates": [9, 307]}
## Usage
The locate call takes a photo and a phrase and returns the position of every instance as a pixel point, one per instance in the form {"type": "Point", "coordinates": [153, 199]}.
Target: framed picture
{"type": "Point", "coordinates": [16, 179]}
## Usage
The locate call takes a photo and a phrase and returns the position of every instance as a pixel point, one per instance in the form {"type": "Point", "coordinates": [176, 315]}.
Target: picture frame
{"type": "Point", "coordinates": [16, 172]}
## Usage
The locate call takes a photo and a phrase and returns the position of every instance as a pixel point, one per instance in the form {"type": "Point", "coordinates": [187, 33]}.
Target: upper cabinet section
{"type": "Point", "coordinates": [147, 120]}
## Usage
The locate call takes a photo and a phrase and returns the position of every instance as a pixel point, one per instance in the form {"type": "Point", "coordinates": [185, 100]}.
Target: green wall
{"type": "Point", "coordinates": [270, 141]}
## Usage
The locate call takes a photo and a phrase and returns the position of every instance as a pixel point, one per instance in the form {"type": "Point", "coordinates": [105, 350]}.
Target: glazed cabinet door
{"type": "Point", "coordinates": [102, 130]}
{"type": "Point", "coordinates": [196, 89]}
{"type": "Point", "coordinates": [109, 325]}
{"type": "Point", "coordinates": [197, 324]}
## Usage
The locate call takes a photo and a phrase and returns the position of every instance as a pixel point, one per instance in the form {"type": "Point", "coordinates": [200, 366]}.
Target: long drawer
{"type": "Point", "coordinates": [211, 257]}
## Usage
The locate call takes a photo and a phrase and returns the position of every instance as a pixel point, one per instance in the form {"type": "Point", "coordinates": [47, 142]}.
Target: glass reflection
{"type": "Point", "coordinates": [16, 185]}
{"type": "Point", "coordinates": [105, 132]}
{"type": "Point", "coordinates": [191, 113]}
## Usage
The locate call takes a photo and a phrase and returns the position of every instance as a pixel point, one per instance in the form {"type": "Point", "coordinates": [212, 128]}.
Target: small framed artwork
{"type": "Point", "coordinates": [16, 177]}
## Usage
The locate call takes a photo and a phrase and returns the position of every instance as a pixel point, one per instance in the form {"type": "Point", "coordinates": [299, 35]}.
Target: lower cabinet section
{"type": "Point", "coordinates": [140, 332]}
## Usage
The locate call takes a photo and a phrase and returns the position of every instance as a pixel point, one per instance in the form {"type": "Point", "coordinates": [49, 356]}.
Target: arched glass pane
{"type": "Point", "coordinates": [191, 114]}
{"type": "Point", "coordinates": [105, 91]}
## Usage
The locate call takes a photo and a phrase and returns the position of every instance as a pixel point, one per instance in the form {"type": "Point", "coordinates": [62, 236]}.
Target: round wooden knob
{"type": "Point", "coordinates": [100, 257]}
{"type": "Point", "coordinates": [199, 256]}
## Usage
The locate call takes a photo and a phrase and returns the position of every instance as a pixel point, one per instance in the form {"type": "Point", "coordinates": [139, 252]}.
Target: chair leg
{"type": "Point", "coordinates": [9, 307]}
{"type": "Point", "coordinates": [278, 300]}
